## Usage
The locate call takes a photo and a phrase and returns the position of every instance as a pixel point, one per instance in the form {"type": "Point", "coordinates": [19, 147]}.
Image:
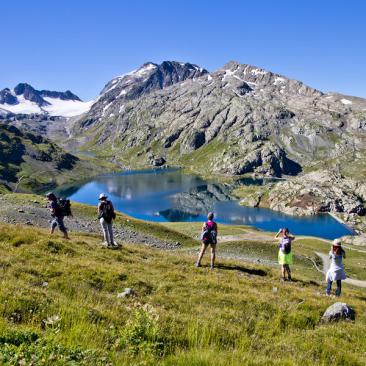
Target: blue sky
{"type": "Point", "coordinates": [81, 44]}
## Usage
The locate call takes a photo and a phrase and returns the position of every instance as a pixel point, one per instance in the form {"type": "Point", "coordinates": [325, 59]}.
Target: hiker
{"type": "Point", "coordinates": [57, 214]}
{"type": "Point", "coordinates": [208, 237]}
{"type": "Point", "coordinates": [106, 215]}
{"type": "Point", "coordinates": [336, 270]}
{"type": "Point", "coordinates": [285, 253]}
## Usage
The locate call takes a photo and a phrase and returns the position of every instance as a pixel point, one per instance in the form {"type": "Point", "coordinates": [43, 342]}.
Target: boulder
{"type": "Point", "coordinates": [338, 311]}
{"type": "Point", "coordinates": [157, 161]}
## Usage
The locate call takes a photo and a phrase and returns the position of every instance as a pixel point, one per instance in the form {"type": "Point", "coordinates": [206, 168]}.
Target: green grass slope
{"type": "Point", "coordinates": [59, 306]}
{"type": "Point", "coordinates": [30, 163]}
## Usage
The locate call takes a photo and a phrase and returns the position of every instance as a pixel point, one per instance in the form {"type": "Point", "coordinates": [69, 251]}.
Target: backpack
{"type": "Point", "coordinates": [209, 234]}
{"type": "Point", "coordinates": [107, 213]}
{"type": "Point", "coordinates": [63, 207]}
{"type": "Point", "coordinates": [286, 245]}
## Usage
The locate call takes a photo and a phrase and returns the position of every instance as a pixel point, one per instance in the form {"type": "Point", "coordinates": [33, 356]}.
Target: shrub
{"type": "Point", "coordinates": [141, 335]}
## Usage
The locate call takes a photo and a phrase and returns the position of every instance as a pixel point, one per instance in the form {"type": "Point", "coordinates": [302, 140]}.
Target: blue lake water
{"type": "Point", "coordinates": [170, 195]}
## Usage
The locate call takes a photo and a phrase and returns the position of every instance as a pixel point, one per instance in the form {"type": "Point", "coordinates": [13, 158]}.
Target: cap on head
{"type": "Point", "coordinates": [210, 216]}
{"type": "Point", "coordinates": [337, 242]}
{"type": "Point", "coordinates": [50, 195]}
{"type": "Point", "coordinates": [102, 196]}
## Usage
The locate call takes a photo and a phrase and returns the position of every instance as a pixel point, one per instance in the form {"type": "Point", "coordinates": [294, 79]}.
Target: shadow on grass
{"type": "Point", "coordinates": [252, 271]}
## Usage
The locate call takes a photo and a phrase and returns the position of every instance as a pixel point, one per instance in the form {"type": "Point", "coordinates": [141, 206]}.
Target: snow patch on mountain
{"type": "Point", "coordinates": [346, 101]}
{"type": "Point", "coordinates": [56, 107]}
{"type": "Point", "coordinates": [66, 108]}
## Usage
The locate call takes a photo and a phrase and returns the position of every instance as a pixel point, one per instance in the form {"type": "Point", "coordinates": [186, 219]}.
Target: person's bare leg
{"type": "Point", "coordinates": [213, 255]}
{"type": "Point", "coordinates": [200, 255]}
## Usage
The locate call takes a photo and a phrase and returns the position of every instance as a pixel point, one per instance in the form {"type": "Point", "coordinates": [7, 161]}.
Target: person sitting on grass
{"type": "Point", "coordinates": [285, 253]}
{"type": "Point", "coordinates": [57, 215]}
{"type": "Point", "coordinates": [208, 237]}
{"type": "Point", "coordinates": [336, 270]}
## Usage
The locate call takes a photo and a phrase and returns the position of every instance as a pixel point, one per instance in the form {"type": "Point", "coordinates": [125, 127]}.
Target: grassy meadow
{"type": "Point", "coordinates": [59, 306]}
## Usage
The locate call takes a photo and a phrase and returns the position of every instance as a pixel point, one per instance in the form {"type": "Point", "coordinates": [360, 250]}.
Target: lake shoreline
{"type": "Point", "coordinates": [170, 195]}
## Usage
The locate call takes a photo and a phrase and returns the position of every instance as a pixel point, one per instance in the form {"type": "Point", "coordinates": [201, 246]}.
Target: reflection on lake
{"type": "Point", "coordinates": [171, 195]}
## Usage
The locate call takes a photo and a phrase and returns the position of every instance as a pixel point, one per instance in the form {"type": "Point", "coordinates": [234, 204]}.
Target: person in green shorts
{"type": "Point", "coordinates": [285, 253]}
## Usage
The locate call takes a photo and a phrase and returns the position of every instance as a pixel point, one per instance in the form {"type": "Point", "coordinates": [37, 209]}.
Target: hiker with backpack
{"type": "Point", "coordinates": [285, 253]}
{"type": "Point", "coordinates": [336, 271]}
{"type": "Point", "coordinates": [106, 215]}
{"type": "Point", "coordinates": [59, 209]}
{"type": "Point", "coordinates": [208, 237]}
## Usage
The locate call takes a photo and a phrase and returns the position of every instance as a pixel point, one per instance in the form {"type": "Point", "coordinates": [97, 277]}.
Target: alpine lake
{"type": "Point", "coordinates": [163, 195]}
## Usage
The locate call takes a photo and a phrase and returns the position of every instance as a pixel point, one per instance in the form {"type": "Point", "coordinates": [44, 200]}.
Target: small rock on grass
{"type": "Point", "coordinates": [126, 293]}
{"type": "Point", "coordinates": [338, 311]}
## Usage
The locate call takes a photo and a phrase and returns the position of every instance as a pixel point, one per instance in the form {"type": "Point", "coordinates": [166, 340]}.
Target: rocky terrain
{"type": "Point", "coordinates": [35, 213]}
{"type": "Point", "coordinates": [240, 118]}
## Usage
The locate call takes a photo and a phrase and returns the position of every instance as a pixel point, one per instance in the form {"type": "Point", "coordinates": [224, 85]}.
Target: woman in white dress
{"type": "Point", "coordinates": [336, 271]}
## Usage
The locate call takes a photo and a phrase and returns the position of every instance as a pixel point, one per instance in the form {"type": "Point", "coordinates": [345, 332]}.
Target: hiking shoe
{"type": "Point", "coordinates": [212, 267]}
{"type": "Point", "coordinates": [197, 264]}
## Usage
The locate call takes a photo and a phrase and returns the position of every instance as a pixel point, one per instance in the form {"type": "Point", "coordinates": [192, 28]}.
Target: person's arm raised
{"type": "Point", "coordinates": [278, 233]}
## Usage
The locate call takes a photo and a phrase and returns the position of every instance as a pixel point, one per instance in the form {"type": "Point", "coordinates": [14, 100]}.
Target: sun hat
{"type": "Point", "coordinates": [102, 195]}
{"type": "Point", "coordinates": [337, 242]}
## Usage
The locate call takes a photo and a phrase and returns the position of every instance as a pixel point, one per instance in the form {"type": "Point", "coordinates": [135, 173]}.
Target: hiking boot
{"type": "Point", "coordinates": [197, 264]}
{"type": "Point", "coordinates": [212, 267]}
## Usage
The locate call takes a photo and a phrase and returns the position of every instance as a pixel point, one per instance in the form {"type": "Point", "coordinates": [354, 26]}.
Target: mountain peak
{"type": "Point", "coordinates": [24, 99]}
{"type": "Point", "coordinates": [29, 93]}
{"type": "Point", "coordinates": [147, 78]}
{"type": "Point", "coordinates": [259, 78]}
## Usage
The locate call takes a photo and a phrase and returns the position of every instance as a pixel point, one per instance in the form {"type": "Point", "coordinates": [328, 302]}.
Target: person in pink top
{"type": "Point", "coordinates": [208, 237]}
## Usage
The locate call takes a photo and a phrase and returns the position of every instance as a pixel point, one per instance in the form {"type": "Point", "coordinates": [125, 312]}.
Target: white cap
{"type": "Point", "coordinates": [102, 195]}
{"type": "Point", "coordinates": [337, 242]}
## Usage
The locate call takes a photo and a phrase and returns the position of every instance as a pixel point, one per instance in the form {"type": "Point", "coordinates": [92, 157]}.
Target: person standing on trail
{"type": "Point", "coordinates": [57, 215]}
{"type": "Point", "coordinates": [208, 237]}
{"type": "Point", "coordinates": [285, 253]}
{"type": "Point", "coordinates": [336, 271]}
{"type": "Point", "coordinates": [106, 215]}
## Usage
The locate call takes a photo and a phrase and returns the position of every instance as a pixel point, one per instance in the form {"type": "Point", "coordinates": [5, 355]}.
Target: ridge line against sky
{"type": "Point", "coordinates": [81, 45]}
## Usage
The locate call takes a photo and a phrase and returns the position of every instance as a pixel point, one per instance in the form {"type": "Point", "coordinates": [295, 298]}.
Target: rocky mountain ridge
{"type": "Point", "coordinates": [142, 81]}
{"type": "Point", "coordinates": [258, 121]}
